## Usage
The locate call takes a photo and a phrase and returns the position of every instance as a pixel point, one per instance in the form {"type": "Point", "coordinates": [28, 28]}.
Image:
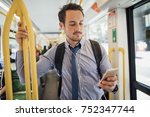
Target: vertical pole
{"type": "Point", "coordinates": [6, 52]}
{"type": "Point", "coordinates": [26, 64]}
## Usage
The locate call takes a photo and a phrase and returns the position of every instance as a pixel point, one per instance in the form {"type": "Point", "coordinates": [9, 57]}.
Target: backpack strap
{"type": "Point", "coordinates": [59, 55]}
{"type": "Point", "coordinates": [97, 54]}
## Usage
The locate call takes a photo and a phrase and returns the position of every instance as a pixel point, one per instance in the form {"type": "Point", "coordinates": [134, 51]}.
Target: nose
{"type": "Point", "coordinates": [78, 27]}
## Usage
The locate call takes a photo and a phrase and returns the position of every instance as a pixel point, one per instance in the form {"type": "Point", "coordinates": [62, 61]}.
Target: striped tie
{"type": "Point", "coordinates": [75, 80]}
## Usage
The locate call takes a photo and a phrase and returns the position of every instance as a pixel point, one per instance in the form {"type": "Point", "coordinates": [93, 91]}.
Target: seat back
{"type": "Point", "coordinates": [48, 89]}
{"type": "Point", "coordinates": [1, 77]}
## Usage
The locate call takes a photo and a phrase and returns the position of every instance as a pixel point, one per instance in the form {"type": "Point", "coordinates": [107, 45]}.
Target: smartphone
{"type": "Point", "coordinates": [109, 72]}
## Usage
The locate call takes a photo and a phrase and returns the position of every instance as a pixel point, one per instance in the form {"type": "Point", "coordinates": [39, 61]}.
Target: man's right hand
{"type": "Point", "coordinates": [21, 34]}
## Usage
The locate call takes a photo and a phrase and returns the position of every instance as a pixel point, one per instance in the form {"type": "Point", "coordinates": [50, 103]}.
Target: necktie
{"type": "Point", "coordinates": [75, 80]}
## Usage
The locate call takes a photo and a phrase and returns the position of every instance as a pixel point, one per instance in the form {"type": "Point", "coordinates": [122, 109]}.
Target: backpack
{"type": "Point", "coordinates": [59, 55]}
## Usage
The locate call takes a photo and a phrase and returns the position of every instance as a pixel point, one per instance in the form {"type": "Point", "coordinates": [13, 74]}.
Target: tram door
{"type": "Point", "coordinates": [138, 18]}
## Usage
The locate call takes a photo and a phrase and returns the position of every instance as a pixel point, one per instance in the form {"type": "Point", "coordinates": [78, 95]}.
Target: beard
{"type": "Point", "coordinates": [77, 36]}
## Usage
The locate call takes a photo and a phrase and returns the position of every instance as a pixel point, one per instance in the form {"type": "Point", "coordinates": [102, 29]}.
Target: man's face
{"type": "Point", "coordinates": [73, 25]}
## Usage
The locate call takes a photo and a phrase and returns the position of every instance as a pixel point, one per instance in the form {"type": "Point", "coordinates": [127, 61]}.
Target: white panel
{"type": "Point", "coordinates": [122, 42]}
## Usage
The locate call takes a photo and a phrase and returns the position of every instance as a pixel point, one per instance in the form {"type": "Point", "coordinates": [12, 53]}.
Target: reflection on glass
{"type": "Point", "coordinates": [142, 43]}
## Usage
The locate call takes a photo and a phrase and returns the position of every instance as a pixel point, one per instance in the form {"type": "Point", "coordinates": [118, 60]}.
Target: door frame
{"type": "Point", "coordinates": [134, 85]}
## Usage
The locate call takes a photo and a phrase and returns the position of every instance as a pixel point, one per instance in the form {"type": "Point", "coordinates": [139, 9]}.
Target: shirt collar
{"type": "Point", "coordinates": [82, 42]}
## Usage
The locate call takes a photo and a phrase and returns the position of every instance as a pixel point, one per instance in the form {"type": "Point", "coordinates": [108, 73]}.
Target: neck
{"type": "Point", "coordinates": [72, 43]}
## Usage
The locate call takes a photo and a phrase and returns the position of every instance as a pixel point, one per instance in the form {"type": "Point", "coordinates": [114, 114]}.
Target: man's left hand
{"type": "Point", "coordinates": [109, 83]}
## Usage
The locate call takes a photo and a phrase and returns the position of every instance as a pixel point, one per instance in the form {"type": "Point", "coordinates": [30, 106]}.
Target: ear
{"type": "Point", "coordinates": [61, 25]}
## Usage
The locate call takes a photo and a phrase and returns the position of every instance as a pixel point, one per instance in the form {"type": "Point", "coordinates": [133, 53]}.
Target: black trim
{"type": "Point", "coordinates": [142, 87]}
{"type": "Point", "coordinates": [142, 2]}
{"type": "Point", "coordinates": [134, 85]}
{"type": "Point", "coordinates": [130, 28]}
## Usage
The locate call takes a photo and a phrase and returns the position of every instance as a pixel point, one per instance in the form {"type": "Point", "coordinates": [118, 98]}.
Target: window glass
{"type": "Point", "coordinates": [99, 31]}
{"type": "Point", "coordinates": [142, 43]}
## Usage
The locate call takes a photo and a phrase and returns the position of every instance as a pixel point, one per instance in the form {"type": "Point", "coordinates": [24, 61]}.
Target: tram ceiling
{"type": "Point", "coordinates": [44, 17]}
{"type": "Point", "coordinates": [44, 13]}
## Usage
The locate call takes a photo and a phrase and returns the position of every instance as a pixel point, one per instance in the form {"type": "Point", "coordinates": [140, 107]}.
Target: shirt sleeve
{"type": "Point", "coordinates": [45, 63]}
{"type": "Point", "coordinates": [105, 63]}
{"type": "Point", "coordinates": [19, 66]}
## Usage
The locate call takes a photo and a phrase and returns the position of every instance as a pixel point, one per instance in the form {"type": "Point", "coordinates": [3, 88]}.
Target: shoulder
{"type": "Point", "coordinates": [96, 43]}
{"type": "Point", "coordinates": [51, 52]}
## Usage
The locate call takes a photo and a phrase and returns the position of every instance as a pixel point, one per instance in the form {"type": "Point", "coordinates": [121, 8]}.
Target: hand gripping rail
{"type": "Point", "coordinates": [20, 10]}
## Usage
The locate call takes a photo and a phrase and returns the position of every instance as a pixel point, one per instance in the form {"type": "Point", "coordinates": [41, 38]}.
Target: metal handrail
{"type": "Point", "coordinates": [124, 77]}
{"type": "Point", "coordinates": [110, 51]}
{"type": "Point", "coordinates": [19, 9]}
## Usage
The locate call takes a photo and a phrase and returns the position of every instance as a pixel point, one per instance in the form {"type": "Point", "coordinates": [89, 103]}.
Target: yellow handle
{"type": "Point", "coordinates": [110, 51]}
{"type": "Point", "coordinates": [6, 53]}
{"type": "Point", "coordinates": [26, 64]}
{"type": "Point", "coordinates": [19, 8]}
{"type": "Point", "coordinates": [124, 77]}
{"type": "Point", "coordinates": [31, 50]}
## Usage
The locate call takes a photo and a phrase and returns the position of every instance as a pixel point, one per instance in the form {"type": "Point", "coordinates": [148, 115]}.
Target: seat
{"type": "Point", "coordinates": [1, 77]}
{"type": "Point", "coordinates": [48, 88]}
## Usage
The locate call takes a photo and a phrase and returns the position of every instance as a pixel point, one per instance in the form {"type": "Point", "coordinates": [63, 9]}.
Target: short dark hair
{"type": "Point", "coordinates": [70, 6]}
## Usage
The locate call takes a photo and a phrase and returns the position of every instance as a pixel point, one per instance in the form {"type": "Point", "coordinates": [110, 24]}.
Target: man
{"type": "Point", "coordinates": [2, 84]}
{"type": "Point", "coordinates": [71, 19]}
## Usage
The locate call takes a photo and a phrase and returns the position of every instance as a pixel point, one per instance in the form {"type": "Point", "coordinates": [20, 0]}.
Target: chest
{"type": "Point", "coordinates": [85, 61]}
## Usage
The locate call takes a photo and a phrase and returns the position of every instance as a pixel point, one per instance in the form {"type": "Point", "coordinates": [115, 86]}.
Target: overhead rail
{"type": "Point", "coordinates": [18, 8]}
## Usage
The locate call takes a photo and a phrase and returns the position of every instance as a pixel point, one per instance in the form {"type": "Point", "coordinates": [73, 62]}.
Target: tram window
{"type": "Point", "coordinates": [142, 96]}
{"type": "Point", "coordinates": [142, 44]}
{"type": "Point", "coordinates": [99, 31]}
